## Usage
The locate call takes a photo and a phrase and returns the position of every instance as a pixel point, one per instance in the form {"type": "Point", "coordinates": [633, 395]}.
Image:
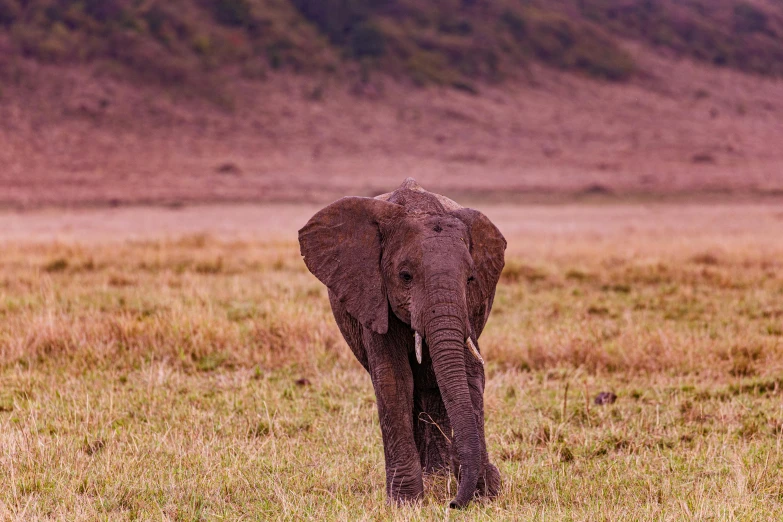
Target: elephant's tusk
{"type": "Point", "coordinates": [417, 340]}
{"type": "Point", "coordinates": [474, 350]}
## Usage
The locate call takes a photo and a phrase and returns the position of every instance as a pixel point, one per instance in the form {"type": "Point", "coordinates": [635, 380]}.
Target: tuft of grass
{"type": "Point", "coordinates": [56, 265]}
{"type": "Point", "coordinates": [516, 271]}
{"type": "Point", "coordinates": [706, 258]}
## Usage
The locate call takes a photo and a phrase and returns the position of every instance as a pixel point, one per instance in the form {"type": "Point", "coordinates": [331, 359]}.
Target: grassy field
{"type": "Point", "coordinates": [204, 378]}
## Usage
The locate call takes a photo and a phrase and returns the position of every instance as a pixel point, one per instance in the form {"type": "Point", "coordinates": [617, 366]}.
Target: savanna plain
{"type": "Point", "coordinates": [183, 364]}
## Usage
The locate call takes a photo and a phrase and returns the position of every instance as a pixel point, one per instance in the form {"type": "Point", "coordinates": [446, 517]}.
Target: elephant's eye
{"type": "Point", "coordinates": [471, 279]}
{"type": "Point", "coordinates": [406, 276]}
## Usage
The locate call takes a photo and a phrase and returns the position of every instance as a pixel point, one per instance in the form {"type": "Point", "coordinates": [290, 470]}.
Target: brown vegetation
{"type": "Point", "coordinates": [204, 377]}
{"type": "Point", "coordinates": [581, 297]}
{"type": "Point", "coordinates": [450, 42]}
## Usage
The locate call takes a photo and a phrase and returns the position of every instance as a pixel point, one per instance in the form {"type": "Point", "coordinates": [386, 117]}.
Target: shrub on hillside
{"type": "Point", "coordinates": [104, 10]}
{"type": "Point", "coordinates": [232, 12]}
{"type": "Point", "coordinates": [730, 33]}
{"type": "Point", "coordinates": [50, 46]}
{"type": "Point", "coordinates": [164, 24]}
{"type": "Point", "coordinates": [9, 12]}
{"type": "Point", "coordinates": [446, 42]}
{"type": "Point", "coordinates": [559, 41]}
{"type": "Point", "coordinates": [149, 60]}
{"type": "Point", "coordinates": [338, 18]}
{"type": "Point", "coordinates": [428, 67]}
{"type": "Point", "coordinates": [749, 18]}
{"type": "Point", "coordinates": [515, 24]}
{"type": "Point", "coordinates": [367, 40]}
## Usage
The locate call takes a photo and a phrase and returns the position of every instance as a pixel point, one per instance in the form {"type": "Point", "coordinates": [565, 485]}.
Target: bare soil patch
{"type": "Point", "coordinates": [531, 229]}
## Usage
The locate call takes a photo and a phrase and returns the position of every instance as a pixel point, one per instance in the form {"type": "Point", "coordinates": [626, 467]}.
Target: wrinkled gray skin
{"type": "Point", "coordinates": [412, 261]}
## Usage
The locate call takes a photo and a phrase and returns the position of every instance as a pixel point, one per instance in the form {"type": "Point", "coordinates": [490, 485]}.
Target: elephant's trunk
{"type": "Point", "coordinates": [446, 328]}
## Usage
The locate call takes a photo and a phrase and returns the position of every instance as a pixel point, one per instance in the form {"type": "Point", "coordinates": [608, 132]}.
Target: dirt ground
{"type": "Point", "coordinates": [74, 137]}
{"type": "Point", "coordinates": [539, 227]}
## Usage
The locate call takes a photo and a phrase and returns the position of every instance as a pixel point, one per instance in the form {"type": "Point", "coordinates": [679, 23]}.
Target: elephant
{"type": "Point", "coordinates": [411, 278]}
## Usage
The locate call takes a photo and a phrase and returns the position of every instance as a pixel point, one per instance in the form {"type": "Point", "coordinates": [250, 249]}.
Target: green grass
{"type": "Point", "coordinates": [162, 379]}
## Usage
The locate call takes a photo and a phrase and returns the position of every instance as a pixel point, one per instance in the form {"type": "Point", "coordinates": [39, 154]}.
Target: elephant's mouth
{"type": "Point", "coordinates": [417, 341]}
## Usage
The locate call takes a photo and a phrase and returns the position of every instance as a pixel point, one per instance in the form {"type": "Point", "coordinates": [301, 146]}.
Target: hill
{"type": "Point", "coordinates": [451, 42]}
{"type": "Point", "coordinates": [126, 102]}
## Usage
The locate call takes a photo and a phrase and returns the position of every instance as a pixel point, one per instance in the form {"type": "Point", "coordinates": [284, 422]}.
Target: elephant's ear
{"type": "Point", "coordinates": [487, 248]}
{"type": "Point", "coordinates": [341, 246]}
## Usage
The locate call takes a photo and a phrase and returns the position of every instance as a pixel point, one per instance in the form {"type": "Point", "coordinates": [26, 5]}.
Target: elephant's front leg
{"type": "Point", "coordinates": [393, 382]}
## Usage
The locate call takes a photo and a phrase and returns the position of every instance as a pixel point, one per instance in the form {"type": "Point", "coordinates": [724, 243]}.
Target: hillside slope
{"type": "Point", "coordinates": [451, 42]}
{"type": "Point", "coordinates": [102, 127]}
{"type": "Point", "coordinates": [71, 139]}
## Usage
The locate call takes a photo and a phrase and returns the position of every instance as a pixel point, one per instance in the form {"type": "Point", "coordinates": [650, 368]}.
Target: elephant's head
{"type": "Point", "coordinates": [433, 268]}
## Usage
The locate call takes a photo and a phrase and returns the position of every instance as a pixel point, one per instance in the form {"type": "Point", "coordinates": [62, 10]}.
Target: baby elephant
{"type": "Point", "coordinates": [411, 278]}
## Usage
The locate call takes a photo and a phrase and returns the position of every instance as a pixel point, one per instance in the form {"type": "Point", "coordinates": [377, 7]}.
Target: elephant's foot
{"type": "Point", "coordinates": [489, 483]}
{"type": "Point", "coordinates": [404, 489]}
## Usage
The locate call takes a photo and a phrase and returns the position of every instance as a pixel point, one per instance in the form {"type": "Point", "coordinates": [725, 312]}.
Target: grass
{"type": "Point", "coordinates": [205, 379]}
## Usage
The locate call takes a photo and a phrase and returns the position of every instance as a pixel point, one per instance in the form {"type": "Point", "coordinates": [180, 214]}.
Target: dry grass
{"type": "Point", "coordinates": [162, 379]}
{"type": "Point", "coordinates": [196, 303]}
